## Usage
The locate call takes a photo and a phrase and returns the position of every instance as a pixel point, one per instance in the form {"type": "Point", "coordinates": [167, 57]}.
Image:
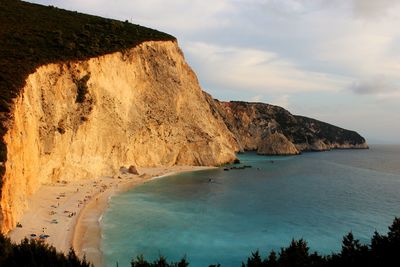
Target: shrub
{"type": "Point", "coordinates": [81, 88]}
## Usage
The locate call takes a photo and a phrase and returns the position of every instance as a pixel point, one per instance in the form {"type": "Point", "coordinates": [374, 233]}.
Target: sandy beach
{"type": "Point", "coordinates": [68, 214]}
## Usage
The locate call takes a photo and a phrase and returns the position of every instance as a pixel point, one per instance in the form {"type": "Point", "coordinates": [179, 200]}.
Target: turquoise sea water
{"type": "Point", "coordinates": [315, 196]}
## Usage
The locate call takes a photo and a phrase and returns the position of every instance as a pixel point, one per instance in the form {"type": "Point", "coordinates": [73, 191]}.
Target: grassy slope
{"type": "Point", "coordinates": [33, 35]}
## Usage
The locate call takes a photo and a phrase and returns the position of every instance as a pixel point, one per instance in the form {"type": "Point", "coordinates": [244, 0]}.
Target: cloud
{"type": "Point", "coordinates": [178, 15]}
{"type": "Point", "coordinates": [380, 85]}
{"type": "Point", "coordinates": [282, 101]}
{"type": "Point", "coordinates": [360, 52]}
{"type": "Point", "coordinates": [373, 8]}
{"type": "Point", "coordinates": [257, 98]}
{"type": "Point", "coordinates": [256, 70]}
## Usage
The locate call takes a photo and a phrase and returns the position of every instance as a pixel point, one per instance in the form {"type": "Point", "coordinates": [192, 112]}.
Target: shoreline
{"type": "Point", "coordinates": [69, 213]}
{"type": "Point", "coordinates": [86, 237]}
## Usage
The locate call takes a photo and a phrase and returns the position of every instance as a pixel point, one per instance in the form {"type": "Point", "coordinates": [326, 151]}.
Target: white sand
{"type": "Point", "coordinates": [70, 213]}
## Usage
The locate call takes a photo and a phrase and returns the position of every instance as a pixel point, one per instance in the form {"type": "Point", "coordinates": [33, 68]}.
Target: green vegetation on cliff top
{"type": "Point", "coordinates": [32, 35]}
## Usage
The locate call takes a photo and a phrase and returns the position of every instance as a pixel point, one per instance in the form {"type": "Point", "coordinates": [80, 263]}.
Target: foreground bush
{"type": "Point", "coordinates": [32, 253]}
{"type": "Point", "coordinates": [383, 251]}
{"type": "Point", "coordinates": [162, 261]}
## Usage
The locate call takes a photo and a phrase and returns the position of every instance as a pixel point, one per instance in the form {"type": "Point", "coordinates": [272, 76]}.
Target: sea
{"type": "Point", "coordinates": [219, 216]}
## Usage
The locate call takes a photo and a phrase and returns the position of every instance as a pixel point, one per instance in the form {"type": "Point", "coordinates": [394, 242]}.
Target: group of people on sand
{"type": "Point", "coordinates": [100, 187]}
{"type": "Point", "coordinates": [72, 214]}
{"type": "Point", "coordinates": [42, 237]}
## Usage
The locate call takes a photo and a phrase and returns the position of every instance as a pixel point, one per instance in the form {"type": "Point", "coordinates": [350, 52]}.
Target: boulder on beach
{"type": "Point", "coordinates": [123, 170]}
{"type": "Point", "coordinates": [132, 169]}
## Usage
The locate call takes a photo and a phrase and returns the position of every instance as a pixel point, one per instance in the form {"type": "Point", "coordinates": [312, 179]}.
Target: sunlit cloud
{"type": "Point", "coordinates": [258, 70]}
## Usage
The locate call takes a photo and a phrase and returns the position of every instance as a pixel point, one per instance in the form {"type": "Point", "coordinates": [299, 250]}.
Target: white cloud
{"type": "Point", "coordinates": [184, 15]}
{"type": "Point", "coordinates": [179, 15]}
{"type": "Point", "coordinates": [257, 70]}
{"type": "Point", "coordinates": [257, 98]}
{"type": "Point", "coordinates": [282, 101]}
{"type": "Point", "coordinates": [363, 48]}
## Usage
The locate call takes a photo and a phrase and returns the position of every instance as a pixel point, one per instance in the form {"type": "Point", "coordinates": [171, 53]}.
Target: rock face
{"type": "Point", "coordinates": [273, 130]}
{"type": "Point", "coordinates": [85, 119]}
{"type": "Point", "coordinates": [276, 144]}
{"type": "Point", "coordinates": [140, 107]}
{"type": "Point", "coordinates": [99, 109]}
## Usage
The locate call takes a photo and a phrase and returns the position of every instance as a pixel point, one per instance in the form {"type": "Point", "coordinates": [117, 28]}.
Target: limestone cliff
{"type": "Point", "coordinates": [82, 96]}
{"type": "Point", "coordinates": [144, 107]}
{"type": "Point", "coordinates": [276, 144]}
{"type": "Point", "coordinates": [273, 130]}
{"type": "Point", "coordinates": [84, 119]}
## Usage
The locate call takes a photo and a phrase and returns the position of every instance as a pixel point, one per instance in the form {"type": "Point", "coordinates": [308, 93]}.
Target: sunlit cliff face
{"type": "Point", "coordinates": [143, 107]}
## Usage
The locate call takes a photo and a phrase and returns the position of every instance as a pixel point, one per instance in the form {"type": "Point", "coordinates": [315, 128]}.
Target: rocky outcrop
{"type": "Point", "coordinates": [85, 119]}
{"type": "Point", "coordinates": [276, 144]}
{"type": "Point", "coordinates": [313, 135]}
{"type": "Point", "coordinates": [273, 130]}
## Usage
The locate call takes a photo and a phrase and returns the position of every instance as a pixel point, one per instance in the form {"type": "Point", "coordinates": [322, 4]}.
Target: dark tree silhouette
{"type": "Point", "coordinates": [383, 251]}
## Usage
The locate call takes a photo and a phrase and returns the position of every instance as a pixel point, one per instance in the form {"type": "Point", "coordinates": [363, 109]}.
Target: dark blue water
{"type": "Point", "coordinates": [315, 196]}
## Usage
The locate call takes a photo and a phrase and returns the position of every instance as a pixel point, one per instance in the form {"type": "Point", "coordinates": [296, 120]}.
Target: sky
{"type": "Point", "coordinates": [333, 60]}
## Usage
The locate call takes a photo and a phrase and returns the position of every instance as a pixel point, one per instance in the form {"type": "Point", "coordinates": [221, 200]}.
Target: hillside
{"type": "Point", "coordinates": [272, 130]}
{"type": "Point", "coordinates": [83, 96]}
{"type": "Point", "coordinates": [33, 35]}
